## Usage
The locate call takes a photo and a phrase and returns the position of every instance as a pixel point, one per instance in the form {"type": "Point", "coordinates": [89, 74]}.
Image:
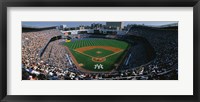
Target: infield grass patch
{"type": "Point", "coordinates": [98, 52]}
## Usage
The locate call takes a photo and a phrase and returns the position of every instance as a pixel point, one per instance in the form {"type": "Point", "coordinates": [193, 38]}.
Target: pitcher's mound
{"type": "Point", "coordinates": [98, 52]}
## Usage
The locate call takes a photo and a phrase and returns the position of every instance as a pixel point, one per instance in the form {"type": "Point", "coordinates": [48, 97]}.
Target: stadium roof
{"type": "Point", "coordinates": [170, 25]}
{"type": "Point", "coordinates": [38, 27]}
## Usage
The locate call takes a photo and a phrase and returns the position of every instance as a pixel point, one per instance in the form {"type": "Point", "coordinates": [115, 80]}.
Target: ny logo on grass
{"type": "Point", "coordinates": [98, 66]}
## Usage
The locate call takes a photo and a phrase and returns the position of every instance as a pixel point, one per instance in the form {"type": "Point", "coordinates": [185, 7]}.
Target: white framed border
{"type": "Point", "coordinates": [183, 86]}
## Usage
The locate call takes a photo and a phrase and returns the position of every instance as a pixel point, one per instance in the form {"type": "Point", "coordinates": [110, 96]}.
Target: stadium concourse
{"type": "Point", "coordinates": [44, 58]}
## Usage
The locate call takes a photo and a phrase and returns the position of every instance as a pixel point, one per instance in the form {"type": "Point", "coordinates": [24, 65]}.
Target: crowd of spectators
{"type": "Point", "coordinates": [165, 44]}
{"type": "Point", "coordinates": [32, 44]}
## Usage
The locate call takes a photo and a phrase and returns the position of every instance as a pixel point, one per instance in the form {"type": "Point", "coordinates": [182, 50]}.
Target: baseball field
{"type": "Point", "coordinates": [97, 55]}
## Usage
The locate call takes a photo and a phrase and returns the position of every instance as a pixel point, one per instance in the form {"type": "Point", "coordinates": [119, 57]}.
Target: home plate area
{"type": "Point", "coordinates": [95, 59]}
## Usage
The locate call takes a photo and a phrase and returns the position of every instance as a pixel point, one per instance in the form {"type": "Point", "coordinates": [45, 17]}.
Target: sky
{"type": "Point", "coordinates": [78, 23]}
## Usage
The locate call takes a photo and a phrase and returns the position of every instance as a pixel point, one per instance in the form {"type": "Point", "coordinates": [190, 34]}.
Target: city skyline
{"type": "Point", "coordinates": [78, 23]}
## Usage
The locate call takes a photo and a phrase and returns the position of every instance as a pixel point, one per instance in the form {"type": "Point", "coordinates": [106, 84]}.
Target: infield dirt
{"type": "Point", "coordinates": [110, 48]}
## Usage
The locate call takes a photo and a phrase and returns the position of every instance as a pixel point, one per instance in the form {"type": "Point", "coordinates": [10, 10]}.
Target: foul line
{"type": "Point", "coordinates": [113, 53]}
{"type": "Point", "coordinates": [83, 53]}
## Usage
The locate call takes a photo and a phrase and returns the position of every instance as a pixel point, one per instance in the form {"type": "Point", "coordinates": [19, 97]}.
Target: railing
{"type": "Point", "coordinates": [50, 40]}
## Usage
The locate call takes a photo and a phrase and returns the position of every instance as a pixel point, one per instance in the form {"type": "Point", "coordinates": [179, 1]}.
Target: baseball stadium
{"type": "Point", "coordinates": [96, 52]}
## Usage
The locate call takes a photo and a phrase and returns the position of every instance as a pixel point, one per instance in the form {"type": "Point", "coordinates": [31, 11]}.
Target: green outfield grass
{"type": "Point", "coordinates": [87, 62]}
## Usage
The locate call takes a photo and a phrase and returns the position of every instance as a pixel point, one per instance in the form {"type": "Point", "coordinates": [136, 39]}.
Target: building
{"type": "Point", "coordinates": [115, 25]}
{"type": "Point", "coordinates": [81, 28]}
{"type": "Point", "coordinates": [96, 26]}
{"type": "Point", "coordinates": [62, 27]}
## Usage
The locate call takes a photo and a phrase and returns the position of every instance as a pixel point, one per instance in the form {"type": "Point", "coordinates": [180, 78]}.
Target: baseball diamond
{"type": "Point", "coordinates": [92, 52]}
